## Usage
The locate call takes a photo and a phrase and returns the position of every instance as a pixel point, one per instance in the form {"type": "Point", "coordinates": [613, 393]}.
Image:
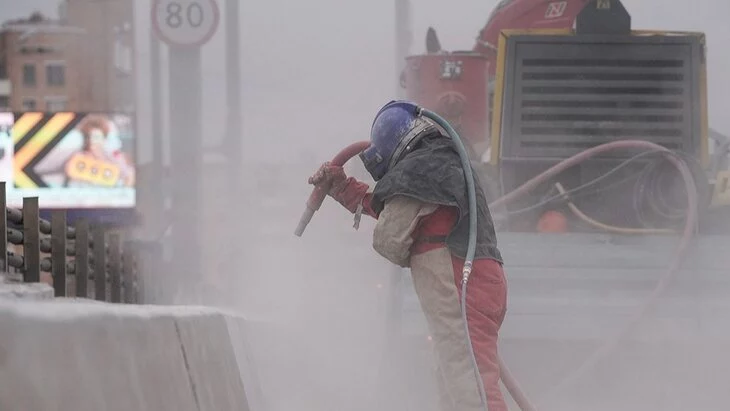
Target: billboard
{"type": "Point", "coordinates": [68, 160]}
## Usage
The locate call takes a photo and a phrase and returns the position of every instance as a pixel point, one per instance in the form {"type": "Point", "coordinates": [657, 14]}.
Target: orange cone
{"type": "Point", "coordinates": [552, 222]}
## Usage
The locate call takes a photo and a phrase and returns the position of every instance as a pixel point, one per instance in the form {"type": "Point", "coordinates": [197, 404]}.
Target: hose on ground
{"type": "Point", "coordinates": [678, 256]}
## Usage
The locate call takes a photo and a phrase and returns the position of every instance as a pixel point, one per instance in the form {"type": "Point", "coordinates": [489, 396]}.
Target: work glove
{"type": "Point", "coordinates": [330, 174]}
{"type": "Point", "coordinates": [345, 190]}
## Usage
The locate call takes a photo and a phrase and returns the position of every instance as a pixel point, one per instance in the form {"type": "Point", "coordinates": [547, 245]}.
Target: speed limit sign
{"type": "Point", "coordinates": [185, 22]}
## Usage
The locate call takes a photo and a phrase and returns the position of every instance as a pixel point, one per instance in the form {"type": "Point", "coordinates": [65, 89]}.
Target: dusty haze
{"type": "Point", "coordinates": [314, 74]}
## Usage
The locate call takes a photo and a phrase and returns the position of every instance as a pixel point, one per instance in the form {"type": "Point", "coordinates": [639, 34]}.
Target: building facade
{"type": "Point", "coordinates": [37, 71]}
{"type": "Point", "coordinates": [84, 61]}
{"type": "Point", "coordinates": [106, 52]}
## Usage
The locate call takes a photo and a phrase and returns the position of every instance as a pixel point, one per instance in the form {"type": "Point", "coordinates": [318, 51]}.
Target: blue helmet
{"type": "Point", "coordinates": [395, 130]}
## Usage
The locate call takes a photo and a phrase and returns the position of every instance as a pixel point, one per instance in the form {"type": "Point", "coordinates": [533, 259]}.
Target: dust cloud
{"type": "Point", "coordinates": [313, 75]}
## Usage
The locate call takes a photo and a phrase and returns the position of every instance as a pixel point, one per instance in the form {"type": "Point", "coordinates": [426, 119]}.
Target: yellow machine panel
{"type": "Point", "coordinates": [558, 93]}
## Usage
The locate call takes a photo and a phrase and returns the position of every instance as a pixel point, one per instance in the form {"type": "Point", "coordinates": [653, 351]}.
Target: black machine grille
{"type": "Point", "coordinates": [566, 94]}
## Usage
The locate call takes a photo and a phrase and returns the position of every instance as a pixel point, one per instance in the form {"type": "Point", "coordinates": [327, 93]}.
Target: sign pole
{"type": "Point", "coordinates": [186, 158]}
{"type": "Point", "coordinates": [158, 162]}
{"type": "Point", "coordinates": [233, 149]}
{"type": "Point", "coordinates": [185, 25]}
{"type": "Point", "coordinates": [233, 82]}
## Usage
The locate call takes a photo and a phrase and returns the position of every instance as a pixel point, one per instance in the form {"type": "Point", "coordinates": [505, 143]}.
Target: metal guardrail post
{"type": "Point", "coordinates": [140, 289]}
{"type": "Point", "coordinates": [31, 240]}
{"type": "Point", "coordinates": [115, 268]}
{"type": "Point", "coordinates": [82, 258]}
{"type": "Point", "coordinates": [58, 252]}
{"type": "Point", "coordinates": [128, 273]}
{"type": "Point", "coordinates": [89, 249]}
{"type": "Point", "coordinates": [99, 250]}
{"type": "Point", "coordinates": [4, 229]}
{"type": "Point", "coordinates": [147, 285]}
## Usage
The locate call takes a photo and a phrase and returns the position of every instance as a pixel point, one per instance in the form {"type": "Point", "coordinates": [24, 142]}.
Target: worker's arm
{"type": "Point", "coordinates": [392, 235]}
{"type": "Point", "coordinates": [352, 194]}
{"type": "Point", "coordinates": [348, 191]}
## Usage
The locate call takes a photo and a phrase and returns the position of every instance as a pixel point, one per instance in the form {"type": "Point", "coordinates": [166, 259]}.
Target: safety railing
{"type": "Point", "coordinates": [101, 265]}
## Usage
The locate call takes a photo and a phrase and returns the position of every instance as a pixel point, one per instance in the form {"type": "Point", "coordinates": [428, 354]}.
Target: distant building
{"type": "Point", "coordinates": [106, 52]}
{"type": "Point", "coordinates": [81, 62]}
{"type": "Point", "coordinates": [36, 68]}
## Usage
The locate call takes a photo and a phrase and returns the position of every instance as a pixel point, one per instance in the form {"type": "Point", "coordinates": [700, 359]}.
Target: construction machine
{"type": "Point", "coordinates": [617, 229]}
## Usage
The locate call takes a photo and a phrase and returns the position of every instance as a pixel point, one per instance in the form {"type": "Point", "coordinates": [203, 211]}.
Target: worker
{"type": "Point", "coordinates": [420, 201]}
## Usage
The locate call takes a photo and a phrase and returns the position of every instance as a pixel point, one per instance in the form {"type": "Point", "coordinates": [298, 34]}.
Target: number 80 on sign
{"type": "Point", "coordinates": [185, 22]}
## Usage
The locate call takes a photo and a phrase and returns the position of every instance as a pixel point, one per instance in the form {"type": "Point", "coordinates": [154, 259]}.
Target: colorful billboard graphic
{"type": "Point", "coordinates": [68, 160]}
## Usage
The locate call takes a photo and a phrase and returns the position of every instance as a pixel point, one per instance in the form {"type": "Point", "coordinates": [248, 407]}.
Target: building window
{"type": "Point", "coordinates": [54, 104]}
{"type": "Point", "coordinates": [29, 104]}
{"type": "Point", "coordinates": [29, 79]}
{"type": "Point", "coordinates": [4, 103]}
{"type": "Point", "coordinates": [55, 74]}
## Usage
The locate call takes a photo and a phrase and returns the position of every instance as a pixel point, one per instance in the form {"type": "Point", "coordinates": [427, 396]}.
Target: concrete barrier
{"type": "Point", "coordinates": [88, 356]}
{"type": "Point", "coordinates": [14, 289]}
{"type": "Point", "coordinates": [241, 331]}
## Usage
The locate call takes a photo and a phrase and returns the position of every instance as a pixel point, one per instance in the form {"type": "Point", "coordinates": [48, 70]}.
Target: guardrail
{"type": "Point", "coordinates": [68, 252]}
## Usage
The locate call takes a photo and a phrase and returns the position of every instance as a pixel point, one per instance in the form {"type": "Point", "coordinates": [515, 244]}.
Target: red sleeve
{"type": "Point", "coordinates": [353, 194]}
{"type": "Point", "coordinates": [367, 208]}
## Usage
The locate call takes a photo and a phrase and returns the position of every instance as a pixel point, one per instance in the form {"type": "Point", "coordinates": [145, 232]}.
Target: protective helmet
{"type": "Point", "coordinates": [395, 130]}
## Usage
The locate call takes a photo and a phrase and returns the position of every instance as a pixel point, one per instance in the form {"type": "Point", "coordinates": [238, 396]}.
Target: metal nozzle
{"type": "Point", "coordinates": [304, 221]}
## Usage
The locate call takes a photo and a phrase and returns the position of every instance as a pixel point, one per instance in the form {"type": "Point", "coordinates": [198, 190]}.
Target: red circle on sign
{"type": "Point", "coordinates": [214, 27]}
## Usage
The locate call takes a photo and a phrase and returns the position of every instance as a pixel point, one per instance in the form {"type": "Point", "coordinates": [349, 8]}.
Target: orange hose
{"type": "Point", "coordinates": [513, 387]}
{"type": "Point", "coordinates": [319, 193]}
